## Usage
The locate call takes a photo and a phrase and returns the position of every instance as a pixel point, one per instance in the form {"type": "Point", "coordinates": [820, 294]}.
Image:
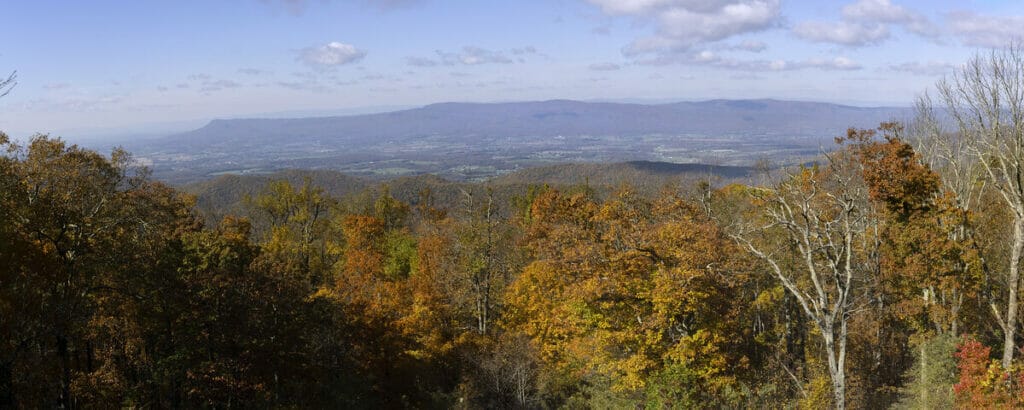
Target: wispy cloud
{"type": "Point", "coordinates": [604, 67]}
{"type": "Point", "coordinates": [332, 54]}
{"type": "Point", "coordinates": [709, 58]}
{"type": "Point", "coordinates": [748, 45]}
{"type": "Point", "coordinates": [931, 68]}
{"type": "Point", "coordinates": [252, 71]}
{"type": "Point", "coordinates": [980, 30]}
{"type": "Point", "coordinates": [307, 85]}
{"type": "Point", "coordinates": [420, 62]}
{"type": "Point", "coordinates": [210, 86]}
{"type": "Point", "coordinates": [474, 55]}
{"type": "Point", "coordinates": [842, 33]}
{"type": "Point", "coordinates": [883, 11]}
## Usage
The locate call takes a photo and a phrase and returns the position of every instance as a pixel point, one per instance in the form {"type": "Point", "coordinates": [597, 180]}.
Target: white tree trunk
{"type": "Point", "coordinates": [1013, 283]}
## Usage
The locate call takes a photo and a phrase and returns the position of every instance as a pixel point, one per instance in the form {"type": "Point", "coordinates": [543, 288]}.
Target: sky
{"type": "Point", "coordinates": [102, 67]}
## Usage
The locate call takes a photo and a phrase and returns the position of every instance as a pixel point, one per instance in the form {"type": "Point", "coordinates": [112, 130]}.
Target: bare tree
{"type": "Point", "coordinates": [985, 101]}
{"type": "Point", "coordinates": [816, 232]}
{"type": "Point", "coordinates": [948, 155]}
{"type": "Point", "coordinates": [8, 84]}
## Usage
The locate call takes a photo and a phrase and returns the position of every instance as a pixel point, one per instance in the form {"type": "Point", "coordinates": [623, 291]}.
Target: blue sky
{"type": "Point", "coordinates": [100, 66]}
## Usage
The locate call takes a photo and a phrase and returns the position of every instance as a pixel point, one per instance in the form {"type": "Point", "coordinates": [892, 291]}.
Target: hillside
{"type": "Point", "coordinates": [225, 194]}
{"type": "Point", "coordinates": [635, 173]}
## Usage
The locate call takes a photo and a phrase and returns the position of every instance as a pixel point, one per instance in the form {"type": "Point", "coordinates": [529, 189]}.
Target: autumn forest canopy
{"type": "Point", "coordinates": [884, 274]}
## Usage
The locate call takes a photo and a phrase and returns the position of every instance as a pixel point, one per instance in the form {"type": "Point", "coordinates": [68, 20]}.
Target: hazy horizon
{"type": "Point", "coordinates": [104, 135]}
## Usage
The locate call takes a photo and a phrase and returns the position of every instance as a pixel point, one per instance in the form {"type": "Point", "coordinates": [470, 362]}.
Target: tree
{"type": "Point", "coordinates": [817, 233]}
{"type": "Point", "coordinates": [622, 290]}
{"type": "Point", "coordinates": [484, 243]}
{"type": "Point", "coordinates": [73, 211]}
{"type": "Point", "coordinates": [300, 238]}
{"type": "Point", "coordinates": [6, 85]}
{"type": "Point", "coordinates": [985, 100]}
{"type": "Point", "coordinates": [929, 381]}
{"type": "Point", "coordinates": [80, 230]}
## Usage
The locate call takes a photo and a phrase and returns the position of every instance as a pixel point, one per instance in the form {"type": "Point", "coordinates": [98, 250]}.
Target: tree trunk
{"type": "Point", "coordinates": [839, 391]}
{"type": "Point", "coordinates": [835, 369]}
{"type": "Point", "coordinates": [65, 365]}
{"type": "Point", "coordinates": [1013, 282]}
{"type": "Point", "coordinates": [924, 375]}
{"type": "Point", "coordinates": [486, 312]}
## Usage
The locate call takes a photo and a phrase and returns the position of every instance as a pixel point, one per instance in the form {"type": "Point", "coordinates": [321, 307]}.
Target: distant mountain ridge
{"type": "Point", "coordinates": [476, 141]}
{"type": "Point", "coordinates": [549, 118]}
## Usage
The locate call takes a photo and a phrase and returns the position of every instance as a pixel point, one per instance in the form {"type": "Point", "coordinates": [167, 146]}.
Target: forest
{"type": "Point", "coordinates": [884, 275]}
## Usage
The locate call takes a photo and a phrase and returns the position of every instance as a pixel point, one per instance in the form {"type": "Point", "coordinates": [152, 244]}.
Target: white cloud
{"type": "Point", "coordinates": [683, 24]}
{"type": "Point", "coordinates": [705, 56]}
{"type": "Point", "coordinates": [931, 68]}
{"type": "Point", "coordinates": [472, 55]}
{"type": "Point", "coordinates": [524, 50]}
{"type": "Point", "coordinates": [866, 22]}
{"type": "Point", "coordinates": [629, 6]}
{"type": "Point", "coordinates": [331, 55]}
{"type": "Point", "coordinates": [747, 45]}
{"type": "Point", "coordinates": [709, 58]}
{"type": "Point", "coordinates": [847, 34]}
{"type": "Point", "coordinates": [752, 46]}
{"type": "Point", "coordinates": [876, 10]}
{"type": "Point", "coordinates": [838, 63]}
{"type": "Point", "coordinates": [305, 86]}
{"type": "Point", "coordinates": [604, 67]}
{"type": "Point", "coordinates": [746, 76]}
{"type": "Point", "coordinates": [218, 85]}
{"type": "Point", "coordinates": [985, 31]}
{"type": "Point", "coordinates": [883, 11]}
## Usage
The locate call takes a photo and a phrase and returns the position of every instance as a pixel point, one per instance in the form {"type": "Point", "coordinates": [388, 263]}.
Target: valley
{"type": "Point", "coordinates": [475, 142]}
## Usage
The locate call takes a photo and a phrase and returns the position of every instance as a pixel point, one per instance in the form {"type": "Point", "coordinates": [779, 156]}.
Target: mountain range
{"type": "Point", "coordinates": [480, 140]}
{"type": "Point", "coordinates": [549, 118]}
